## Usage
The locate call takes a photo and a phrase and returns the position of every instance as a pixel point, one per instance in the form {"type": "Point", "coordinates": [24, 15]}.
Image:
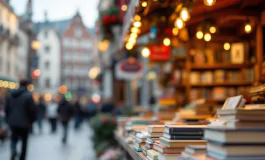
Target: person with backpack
{"type": "Point", "coordinates": [20, 112]}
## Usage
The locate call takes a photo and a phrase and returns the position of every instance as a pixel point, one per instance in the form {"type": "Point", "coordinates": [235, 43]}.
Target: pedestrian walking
{"type": "Point", "coordinates": [20, 114]}
{"type": "Point", "coordinates": [65, 111]}
{"type": "Point", "coordinates": [92, 109]}
{"type": "Point", "coordinates": [41, 110]}
{"type": "Point", "coordinates": [78, 114]}
{"type": "Point", "coordinates": [107, 106]}
{"type": "Point", "coordinates": [52, 115]}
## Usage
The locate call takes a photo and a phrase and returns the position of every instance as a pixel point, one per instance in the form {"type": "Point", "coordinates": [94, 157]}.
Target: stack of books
{"type": "Point", "coordinates": [240, 136]}
{"type": "Point", "coordinates": [257, 94]}
{"type": "Point", "coordinates": [139, 142]}
{"type": "Point", "coordinates": [152, 155]}
{"type": "Point", "coordinates": [154, 132]}
{"type": "Point", "coordinates": [193, 150]}
{"type": "Point", "coordinates": [176, 137]}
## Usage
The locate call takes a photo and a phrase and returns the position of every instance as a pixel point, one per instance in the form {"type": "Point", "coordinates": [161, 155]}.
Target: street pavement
{"type": "Point", "coordinates": [48, 146]}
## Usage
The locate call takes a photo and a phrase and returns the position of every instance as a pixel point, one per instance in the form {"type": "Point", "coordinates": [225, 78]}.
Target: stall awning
{"type": "Point", "coordinates": [7, 79]}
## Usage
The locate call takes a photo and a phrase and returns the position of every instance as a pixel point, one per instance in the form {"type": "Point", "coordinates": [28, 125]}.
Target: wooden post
{"type": "Point", "coordinates": [259, 51]}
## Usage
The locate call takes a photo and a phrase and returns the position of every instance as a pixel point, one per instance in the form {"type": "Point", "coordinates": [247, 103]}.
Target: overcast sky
{"type": "Point", "coordinates": [60, 9]}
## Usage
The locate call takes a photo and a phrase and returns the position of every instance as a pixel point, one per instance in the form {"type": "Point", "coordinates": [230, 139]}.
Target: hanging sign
{"type": "Point", "coordinates": [129, 69]}
{"type": "Point", "coordinates": [159, 53]}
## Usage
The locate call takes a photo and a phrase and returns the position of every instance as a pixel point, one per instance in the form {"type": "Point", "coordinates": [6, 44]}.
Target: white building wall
{"type": "Point", "coordinates": [8, 51]}
{"type": "Point", "coordinates": [21, 58]}
{"type": "Point", "coordinates": [50, 39]}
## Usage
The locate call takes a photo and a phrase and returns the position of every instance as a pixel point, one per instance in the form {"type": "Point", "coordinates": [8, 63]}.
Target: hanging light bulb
{"type": "Point", "coordinates": [137, 18]}
{"type": "Point", "coordinates": [179, 23]}
{"type": "Point", "coordinates": [199, 34]}
{"type": "Point", "coordinates": [166, 41]}
{"type": "Point", "coordinates": [227, 46]}
{"type": "Point", "coordinates": [144, 4]}
{"type": "Point", "coordinates": [134, 30]}
{"type": "Point", "coordinates": [132, 40]}
{"type": "Point", "coordinates": [129, 46]}
{"type": "Point", "coordinates": [212, 29]}
{"type": "Point", "coordinates": [248, 27]}
{"type": "Point", "coordinates": [124, 7]}
{"type": "Point", "coordinates": [209, 2]}
{"type": "Point", "coordinates": [133, 35]}
{"type": "Point", "coordinates": [175, 31]}
{"type": "Point", "coordinates": [184, 14]}
{"type": "Point", "coordinates": [145, 52]}
{"type": "Point", "coordinates": [207, 37]}
{"type": "Point", "coordinates": [137, 24]}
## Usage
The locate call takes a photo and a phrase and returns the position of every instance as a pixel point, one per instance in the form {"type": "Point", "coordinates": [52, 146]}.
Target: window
{"type": "Point", "coordinates": [67, 42]}
{"type": "Point", "coordinates": [47, 65]}
{"type": "Point", "coordinates": [47, 83]}
{"type": "Point", "coordinates": [47, 49]}
{"type": "Point", "coordinates": [78, 32]}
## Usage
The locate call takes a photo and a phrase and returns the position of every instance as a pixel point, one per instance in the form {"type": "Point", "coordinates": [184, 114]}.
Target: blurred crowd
{"type": "Point", "coordinates": [19, 110]}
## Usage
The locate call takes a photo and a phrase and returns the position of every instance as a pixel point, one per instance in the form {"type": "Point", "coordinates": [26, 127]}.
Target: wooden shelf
{"type": "Point", "coordinates": [180, 57]}
{"type": "Point", "coordinates": [219, 66]}
{"type": "Point", "coordinates": [176, 85]}
{"type": "Point", "coordinates": [225, 84]}
{"type": "Point", "coordinates": [216, 100]}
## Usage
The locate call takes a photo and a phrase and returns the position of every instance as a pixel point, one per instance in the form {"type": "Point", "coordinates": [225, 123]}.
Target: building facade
{"type": "Point", "coordinates": [49, 61]}
{"type": "Point", "coordinates": [22, 52]}
{"type": "Point", "coordinates": [76, 56]}
{"type": "Point", "coordinates": [8, 45]}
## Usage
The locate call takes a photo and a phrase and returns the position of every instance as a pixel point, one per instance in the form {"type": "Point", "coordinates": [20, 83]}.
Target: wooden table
{"type": "Point", "coordinates": [129, 148]}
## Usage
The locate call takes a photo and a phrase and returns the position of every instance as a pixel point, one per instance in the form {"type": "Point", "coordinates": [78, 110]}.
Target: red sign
{"type": "Point", "coordinates": [129, 69]}
{"type": "Point", "coordinates": [159, 53]}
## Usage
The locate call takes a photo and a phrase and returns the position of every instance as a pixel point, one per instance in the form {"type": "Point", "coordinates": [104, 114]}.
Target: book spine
{"type": "Point", "coordinates": [186, 138]}
{"type": "Point", "coordinates": [177, 130]}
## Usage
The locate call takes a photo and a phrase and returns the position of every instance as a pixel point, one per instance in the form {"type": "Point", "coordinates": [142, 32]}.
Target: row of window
{"type": "Point", "coordinates": [77, 57]}
{"type": "Point", "coordinates": [77, 84]}
{"type": "Point", "coordinates": [74, 43]}
{"type": "Point", "coordinates": [75, 71]}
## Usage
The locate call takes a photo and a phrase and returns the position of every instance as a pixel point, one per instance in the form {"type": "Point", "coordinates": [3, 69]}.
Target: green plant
{"type": "Point", "coordinates": [103, 126]}
{"type": "Point", "coordinates": [108, 18]}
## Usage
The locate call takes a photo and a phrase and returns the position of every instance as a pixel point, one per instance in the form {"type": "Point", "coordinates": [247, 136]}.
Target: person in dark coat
{"type": "Point", "coordinates": [92, 109]}
{"type": "Point", "coordinates": [78, 114]}
{"type": "Point", "coordinates": [107, 106]}
{"type": "Point", "coordinates": [66, 112]}
{"type": "Point", "coordinates": [20, 114]}
{"type": "Point", "coordinates": [41, 111]}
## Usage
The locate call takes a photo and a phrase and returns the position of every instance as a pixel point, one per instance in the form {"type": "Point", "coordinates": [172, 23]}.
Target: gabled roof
{"type": "Point", "coordinates": [58, 26]}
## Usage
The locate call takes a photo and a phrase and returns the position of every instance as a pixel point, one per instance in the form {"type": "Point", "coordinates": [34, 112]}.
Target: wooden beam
{"type": "Point", "coordinates": [259, 52]}
{"type": "Point", "coordinates": [232, 11]}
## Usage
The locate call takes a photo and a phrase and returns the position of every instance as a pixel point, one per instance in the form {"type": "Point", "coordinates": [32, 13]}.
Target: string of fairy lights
{"type": "Point", "coordinates": [183, 15]}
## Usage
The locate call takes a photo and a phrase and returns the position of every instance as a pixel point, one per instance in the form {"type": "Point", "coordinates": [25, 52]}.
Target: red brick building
{"type": "Point", "coordinates": [77, 56]}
